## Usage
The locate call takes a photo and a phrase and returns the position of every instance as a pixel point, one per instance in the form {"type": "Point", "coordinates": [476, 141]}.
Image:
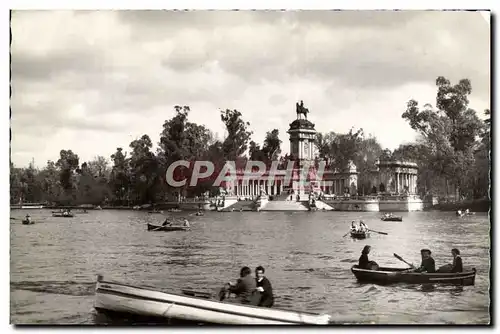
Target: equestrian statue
{"type": "Point", "coordinates": [301, 109]}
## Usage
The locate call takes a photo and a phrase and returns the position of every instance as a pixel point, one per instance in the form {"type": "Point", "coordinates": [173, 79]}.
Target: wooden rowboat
{"type": "Point", "coordinates": [360, 235]}
{"type": "Point", "coordinates": [398, 275]}
{"type": "Point", "coordinates": [62, 215]}
{"type": "Point", "coordinates": [152, 227]}
{"type": "Point", "coordinates": [392, 219]}
{"type": "Point", "coordinates": [124, 299]}
{"type": "Point", "coordinates": [26, 222]}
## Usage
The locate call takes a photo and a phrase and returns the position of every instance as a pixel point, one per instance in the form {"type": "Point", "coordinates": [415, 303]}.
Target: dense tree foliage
{"type": "Point", "coordinates": [452, 153]}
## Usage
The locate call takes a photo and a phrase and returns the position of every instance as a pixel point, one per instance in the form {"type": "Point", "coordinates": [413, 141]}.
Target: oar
{"type": "Point", "coordinates": [401, 259]}
{"type": "Point", "coordinates": [384, 233]}
{"type": "Point", "coordinates": [346, 234]}
{"type": "Point", "coordinates": [193, 293]}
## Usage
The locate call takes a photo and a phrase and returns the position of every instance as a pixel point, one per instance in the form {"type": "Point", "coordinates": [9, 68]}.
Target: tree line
{"type": "Point", "coordinates": [452, 152]}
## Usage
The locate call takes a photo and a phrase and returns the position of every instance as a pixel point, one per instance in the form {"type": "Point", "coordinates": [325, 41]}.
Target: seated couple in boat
{"type": "Point", "coordinates": [388, 215]}
{"type": "Point", "coordinates": [361, 228]}
{"type": "Point", "coordinates": [428, 264]}
{"type": "Point", "coordinates": [249, 290]}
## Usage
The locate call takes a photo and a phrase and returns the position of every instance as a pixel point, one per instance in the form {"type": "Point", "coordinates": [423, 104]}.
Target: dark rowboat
{"type": "Point", "coordinates": [152, 227]}
{"type": "Point", "coordinates": [392, 219]}
{"type": "Point", "coordinates": [26, 222]}
{"type": "Point", "coordinates": [398, 275]}
{"type": "Point", "coordinates": [360, 235]}
{"type": "Point", "coordinates": [62, 215]}
{"type": "Point", "coordinates": [147, 302]}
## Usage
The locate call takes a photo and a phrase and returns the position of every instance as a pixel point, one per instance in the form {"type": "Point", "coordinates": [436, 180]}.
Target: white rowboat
{"type": "Point", "coordinates": [127, 299]}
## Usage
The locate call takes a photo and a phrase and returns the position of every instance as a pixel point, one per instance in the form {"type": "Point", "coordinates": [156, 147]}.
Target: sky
{"type": "Point", "coordinates": [92, 81]}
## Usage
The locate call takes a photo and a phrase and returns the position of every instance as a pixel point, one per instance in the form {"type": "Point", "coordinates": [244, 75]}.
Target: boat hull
{"type": "Point", "coordinates": [60, 215]}
{"type": "Point", "coordinates": [25, 222]}
{"type": "Point", "coordinates": [360, 235]}
{"type": "Point", "coordinates": [392, 219]}
{"type": "Point", "coordinates": [398, 275]}
{"type": "Point", "coordinates": [120, 298]}
{"type": "Point", "coordinates": [152, 227]}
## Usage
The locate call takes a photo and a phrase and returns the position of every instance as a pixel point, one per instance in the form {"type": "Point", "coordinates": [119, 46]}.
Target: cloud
{"type": "Point", "coordinates": [94, 80]}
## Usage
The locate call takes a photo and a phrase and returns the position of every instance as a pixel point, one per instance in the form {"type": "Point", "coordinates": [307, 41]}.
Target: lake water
{"type": "Point", "coordinates": [306, 257]}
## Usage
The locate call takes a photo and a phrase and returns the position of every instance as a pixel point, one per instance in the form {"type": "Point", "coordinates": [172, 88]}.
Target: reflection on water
{"type": "Point", "coordinates": [54, 262]}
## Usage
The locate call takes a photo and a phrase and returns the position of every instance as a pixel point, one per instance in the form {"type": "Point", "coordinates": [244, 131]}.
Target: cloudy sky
{"type": "Point", "coordinates": [93, 81]}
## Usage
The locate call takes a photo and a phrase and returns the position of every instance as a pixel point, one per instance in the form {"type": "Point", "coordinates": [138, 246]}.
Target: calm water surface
{"type": "Point", "coordinates": [307, 259]}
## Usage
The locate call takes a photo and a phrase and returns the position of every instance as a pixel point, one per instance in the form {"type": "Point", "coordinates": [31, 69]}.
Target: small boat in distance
{"type": "Point", "coordinates": [402, 275]}
{"type": "Point", "coordinates": [62, 214]}
{"type": "Point", "coordinates": [132, 300]}
{"type": "Point", "coordinates": [391, 218]}
{"type": "Point", "coordinates": [167, 228]}
{"type": "Point", "coordinates": [360, 234]}
{"type": "Point", "coordinates": [28, 222]}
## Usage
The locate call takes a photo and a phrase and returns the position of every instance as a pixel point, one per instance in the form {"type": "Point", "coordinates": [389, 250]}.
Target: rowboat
{"type": "Point", "coordinates": [360, 235]}
{"type": "Point", "coordinates": [152, 227]}
{"type": "Point", "coordinates": [125, 299]}
{"type": "Point", "coordinates": [392, 219]}
{"type": "Point", "coordinates": [399, 275]}
{"type": "Point", "coordinates": [27, 222]}
{"type": "Point", "coordinates": [63, 215]}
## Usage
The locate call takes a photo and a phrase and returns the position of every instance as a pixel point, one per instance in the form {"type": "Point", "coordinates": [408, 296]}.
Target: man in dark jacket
{"type": "Point", "coordinates": [245, 288]}
{"type": "Point", "coordinates": [264, 287]}
{"type": "Point", "coordinates": [428, 265]}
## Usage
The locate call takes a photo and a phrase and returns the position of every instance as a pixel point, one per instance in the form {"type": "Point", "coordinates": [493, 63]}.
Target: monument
{"type": "Point", "coordinates": [302, 150]}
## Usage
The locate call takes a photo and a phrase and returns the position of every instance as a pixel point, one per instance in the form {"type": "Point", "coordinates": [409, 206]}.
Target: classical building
{"type": "Point", "coordinates": [303, 150]}
{"type": "Point", "coordinates": [395, 177]}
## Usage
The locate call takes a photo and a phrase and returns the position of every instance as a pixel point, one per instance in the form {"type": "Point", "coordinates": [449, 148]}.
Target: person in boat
{"type": "Point", "coordinates": [459, 212]}
{"type": "Point", "coordinates": [28, 218]}
{"type": "Point", "coordinates": [167, 223]}
{"type": "Point", "coordinates": [457, 266]}
{"type": "Point", "coordinates": [264, 287]}
{"type": "Point", "coordinates": [186, 223]}
{"type": "Point", "coordinates": [428, 265]}
{"type": "Point", "coordinates": [354, 228]}
{"type": "Point", "coordinates": [362, 226]}
{"type": "Point", "coordinates": [364, 262]}
{"type": "Point", "coordinates": [245, 289]}
{"type": "Point", "coordinates": [466, 211]}
{"type": "Point", "coordinates": [363, 259]}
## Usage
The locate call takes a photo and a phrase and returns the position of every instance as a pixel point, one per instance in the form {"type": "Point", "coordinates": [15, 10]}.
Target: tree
{"type": "Point", "coordinates": [119, 180]}
{"type": "Point", "coordinates": [238, 135]}
{"type": "Point", "coordinates": [272, 145]}
{"type": "Point", "coordinates": [450, 132]}
{"type": "Point", "coordinates": [144, 170]}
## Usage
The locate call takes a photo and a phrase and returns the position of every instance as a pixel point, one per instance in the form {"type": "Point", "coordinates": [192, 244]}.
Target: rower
{"type": "Point", "coordinates": [167, 222]}
{"type": "Point", "coordinates": [186, 223]}
{"type": "Point", "coordinates": [362, 226]}
{"type": "Point", "coordinates": [428, 265]}
{"type": "Point", "coordinates": [245, 288]}
{"type": "Point", "coordinates": [467, 211]}
{"type": "Point", "coordinates": [354, 228]}
{"type": "Point", "coordinates": [28, 218]}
